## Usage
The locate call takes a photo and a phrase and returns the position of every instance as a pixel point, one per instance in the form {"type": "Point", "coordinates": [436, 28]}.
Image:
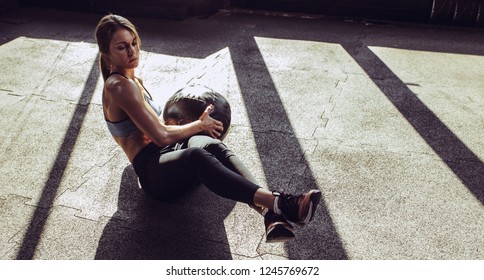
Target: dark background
{"type": "Point", "coordinates": [449, 12]}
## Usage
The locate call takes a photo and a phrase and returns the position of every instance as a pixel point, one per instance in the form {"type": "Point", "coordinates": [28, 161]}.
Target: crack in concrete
{"type": "Point", "coordinates": [63, 74]}
{"type": "Point", "coordinates": [52, 68]}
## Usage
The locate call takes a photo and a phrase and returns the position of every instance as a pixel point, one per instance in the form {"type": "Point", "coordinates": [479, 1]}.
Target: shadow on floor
{"type": "Point", "coordinates": [189, 228]}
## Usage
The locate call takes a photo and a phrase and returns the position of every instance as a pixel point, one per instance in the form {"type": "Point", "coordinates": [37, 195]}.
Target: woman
{"type": "Point", "coordinates": [171, 159]}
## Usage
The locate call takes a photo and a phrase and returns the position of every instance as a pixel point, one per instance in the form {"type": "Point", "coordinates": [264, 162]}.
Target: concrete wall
{"type": "Point", "coordinates": [458, 12]}
{"type": "Point", "coordinates": [6, 5]}
{"type": "Point", "coordinates": [408, 10]}
{"type": "Point", "coordinates": [173, 9]}
{"type": "Point", "coordinates": [454, 12]}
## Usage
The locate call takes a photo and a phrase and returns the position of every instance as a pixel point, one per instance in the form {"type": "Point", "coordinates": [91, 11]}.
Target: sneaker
{"type": "Point", "coordinates": [298, 209]}
{"type": "Point", "coordinates": [277, 228]}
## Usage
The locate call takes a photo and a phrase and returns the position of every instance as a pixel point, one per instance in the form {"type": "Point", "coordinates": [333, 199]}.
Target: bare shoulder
{"type": "Point", "coordinates": [117, 85]}
{"type": "Point", "coordinates": [120, 87]}
{"type": "Point", "coordinates": [123, 93]}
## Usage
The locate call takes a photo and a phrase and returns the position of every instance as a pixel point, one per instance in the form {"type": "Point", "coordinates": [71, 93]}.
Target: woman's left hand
{"type": "Point", "coordinates": [211, 126]}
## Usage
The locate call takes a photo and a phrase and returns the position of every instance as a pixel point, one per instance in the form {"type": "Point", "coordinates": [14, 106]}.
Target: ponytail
{"type": "Point", "coordinates": [104, 66]}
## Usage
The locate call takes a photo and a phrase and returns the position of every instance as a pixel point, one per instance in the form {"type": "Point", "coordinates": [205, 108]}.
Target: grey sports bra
{"type": "Point", "coordinates": [126, 127]}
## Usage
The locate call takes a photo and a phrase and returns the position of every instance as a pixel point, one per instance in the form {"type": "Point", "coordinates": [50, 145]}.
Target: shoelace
{"type": "Point", "coordinates": [290, 202]}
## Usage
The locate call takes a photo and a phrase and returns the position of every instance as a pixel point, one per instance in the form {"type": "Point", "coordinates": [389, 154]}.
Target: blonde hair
{"type": "Point", "coordinates": [105, 29]}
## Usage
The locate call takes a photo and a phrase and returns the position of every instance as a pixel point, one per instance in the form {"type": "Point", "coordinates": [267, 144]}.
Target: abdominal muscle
{"type": "Point", "coordinates": [132, 144]}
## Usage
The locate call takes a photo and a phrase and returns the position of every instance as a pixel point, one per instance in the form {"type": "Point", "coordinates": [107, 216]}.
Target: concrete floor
{"type": "Point", "coordinates": [386, 120]}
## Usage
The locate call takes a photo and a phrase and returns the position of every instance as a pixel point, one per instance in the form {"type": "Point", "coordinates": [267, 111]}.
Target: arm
{"type": "Point", "coordinates": [130, 100]}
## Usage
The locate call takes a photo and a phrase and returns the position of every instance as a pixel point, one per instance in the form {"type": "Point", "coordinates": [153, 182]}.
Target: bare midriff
{"type": "Point", "coordinates": [132, 144]}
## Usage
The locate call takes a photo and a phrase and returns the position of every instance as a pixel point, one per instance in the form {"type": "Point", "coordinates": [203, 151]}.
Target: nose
{"type": "Point", "coordinates": [131, 50]}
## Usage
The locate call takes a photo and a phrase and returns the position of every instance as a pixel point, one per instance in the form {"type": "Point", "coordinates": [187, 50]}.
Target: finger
{"type": "Point", "coordinates": [206, 113]}
{"type": "Point", "coordinates": [209, 109]}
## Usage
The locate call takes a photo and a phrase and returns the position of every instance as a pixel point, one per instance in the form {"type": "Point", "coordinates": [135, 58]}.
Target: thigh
{"type": "Point", "coordinates": [224, 154]}
{"type": "Point", "coordinates": [171, 176]}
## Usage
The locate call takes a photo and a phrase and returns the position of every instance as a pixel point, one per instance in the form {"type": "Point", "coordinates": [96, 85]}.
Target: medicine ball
{"type": "Point", "coordinates": [187, 104]}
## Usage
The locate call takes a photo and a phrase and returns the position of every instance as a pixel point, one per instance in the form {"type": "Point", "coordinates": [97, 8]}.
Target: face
{"type": "Point", "coordinates": [124, 50]}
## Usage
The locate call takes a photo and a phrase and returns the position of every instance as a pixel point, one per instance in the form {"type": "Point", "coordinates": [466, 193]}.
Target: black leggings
{"type": "Point", "coordinates": [167, 173]}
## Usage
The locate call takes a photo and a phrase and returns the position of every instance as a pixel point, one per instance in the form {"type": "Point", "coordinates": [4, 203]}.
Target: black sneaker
{"type": "Point", "coordinates": [277, 228]}
{"type": "Point", "coordinates": [298, 209]}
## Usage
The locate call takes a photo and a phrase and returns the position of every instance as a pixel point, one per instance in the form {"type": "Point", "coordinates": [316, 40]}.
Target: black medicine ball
{"type": "Point", "coordinates": [187, 104]}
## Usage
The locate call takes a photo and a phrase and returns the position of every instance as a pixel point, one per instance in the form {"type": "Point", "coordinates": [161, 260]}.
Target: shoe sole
{"type": "Point", "coordinates": [279, 233]}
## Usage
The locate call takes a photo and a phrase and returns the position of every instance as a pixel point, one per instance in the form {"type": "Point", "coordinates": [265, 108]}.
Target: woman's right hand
{"type": "Point", "coordinates": [211, 126]}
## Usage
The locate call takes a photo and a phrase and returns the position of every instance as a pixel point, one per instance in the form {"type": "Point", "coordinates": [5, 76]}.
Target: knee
{"type": "Point", "coordinates": [202, 141]}
{"type": "Point", "coordinates": [213, 146]}
{"type": "Point", "coordinates": [219, 150]}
